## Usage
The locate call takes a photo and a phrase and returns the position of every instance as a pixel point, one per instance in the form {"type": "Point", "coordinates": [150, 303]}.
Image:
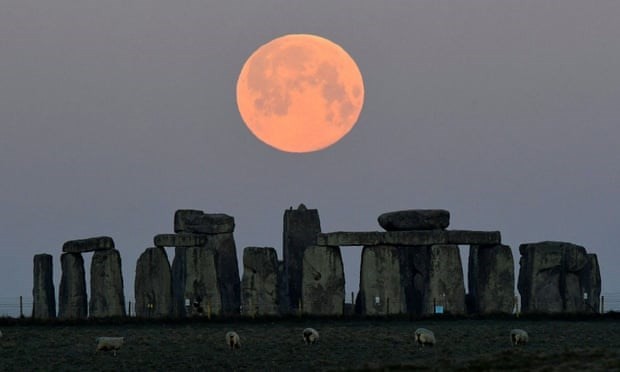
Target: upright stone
{"type": "Point", "coordinates": [153, 284]}
{"type": "Point", "coordinates": [301, 227]}
{"type": "Point", "coordinates": [43, 294]}
{"type": "Point", "coordinates": [200, 291]}
{"type": "Point", "coordinates": [259, 292]}
{"type": "Point", "coordinates": [591, 282]}
{"type": "Point", "coordinates": [322, 281]}
{"type": "Point", "coordinates": [72, 293]}
{"type": "Point", "coordinates": [227, 271]}
{"type": "Point", "coordinates": [491, 279]}
{"type": "Point", "coordinates": [550, 277]}
{"type": "Point", "coordinates": [179, 273]}
{"type": "Point", "coordinates": [415, 272]}
{"type": "Point", "coordinates": [415, 219]}
{"type": "Point", "coordinates": [446, 286]}
{"type": "Point", "coordinates": [381, 289]}
{"type": "Point", "coordinates": [107, 298]}
{"type": "Point", "coordinates": [283, 300]}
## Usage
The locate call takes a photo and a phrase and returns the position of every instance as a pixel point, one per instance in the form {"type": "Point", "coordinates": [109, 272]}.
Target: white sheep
{"type": "Point", "coordinates": [311, 335]}
{"type": "Point", "coordinates": [424, 336]}
{"type": "Point", "coordinates": [518, 337]}
{"type": "Point", "coordinates": [232, 340]}
{"type": "Point", "coordinates": [109, 343]}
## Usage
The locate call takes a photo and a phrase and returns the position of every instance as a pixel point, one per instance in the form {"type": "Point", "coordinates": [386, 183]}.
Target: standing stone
{"type": "Point", "coordinates": [322, 281]}
{"type": "Point", "coordinates": [107, 298]}
{"type": "Point", "coordinates": [196, 286]}
{"type": "Point", "coordinates": [179, 273]}
{"type": "Point", "coordinates": [550, 277]}
{"type": "Point", "coordinates": [153, 284]}
{"type": "Point", "coordinates": [283, 300]}
{"type": "Point", "coordinates": [227, 271]}
{"type": "Point", "coordinates": [446, 286]}
{"type": "Point", "coordinates": [415, 271]}
{"type": "Point", "coordinates": [381, 289]}
{"type": "Point", "coordinates": [301, 227]}
{"type": "Point", "coordinates": [491, 279]}
{"type": "Point", "coordinates": [72, 293]}
{"type": "Point", "coordinates": [260, 281]}
{"type": "Point", "coordinates": [415, 219]}
{"type": "Point", "coordinates": [43, 294]}
{"type": "Point", "coordinates": [591, 282]}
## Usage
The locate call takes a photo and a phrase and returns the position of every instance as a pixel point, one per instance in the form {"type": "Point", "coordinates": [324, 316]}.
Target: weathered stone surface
{"type": "Point", "coordinates": [153, 284]}
{"type": "Point", "coordinates": [107, 298]}
{"type": "Point", "coordinates": [227, 271]}
{"type": "Point", "coordinates": [88, 245]}
{"type": "Point", "coordinates": [415, 271]}
{"type": "Point", "coordinates": [180, 240]}
{"type": "Point", "coordinates": [322, 281]}
{"type": "Point", "coordinates": [198, 222]}
{"type": "Point", "coordinates": [301, 226]}
{"type": "Point", "coordinates": [43, 294]}
{"type": "Point", "coordinates": [551, 275]}
{"type": "Point", "coordinates": [72, 300]}
{"type": "Point", "coordinates": [446, 286]}
{"type": "Point", "coordinates": [415, 219]}
{"type": "Point", "coordinates": [491, 279]}
{"type": "Point", "coordinates": [409, 238]}
{"type": "Point", "coordinates": [196, 288]}
{"type": "Point", "coordinates": [591, 281]}
{"type": "Point", "coordinates": [259, 286]}
{"type": "Point", "coordinates": [381, 289]}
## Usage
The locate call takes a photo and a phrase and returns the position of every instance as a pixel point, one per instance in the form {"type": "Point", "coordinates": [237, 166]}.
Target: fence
{"type": "Point", "coordinates": [15, 307]}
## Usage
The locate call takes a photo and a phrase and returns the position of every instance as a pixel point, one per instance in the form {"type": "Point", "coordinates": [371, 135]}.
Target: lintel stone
{"type": "Point", "coordinates": [409, 238]}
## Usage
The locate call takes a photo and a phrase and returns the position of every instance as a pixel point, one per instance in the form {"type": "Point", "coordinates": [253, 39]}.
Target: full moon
{"type": "Point", "coordinates": [300, 93]}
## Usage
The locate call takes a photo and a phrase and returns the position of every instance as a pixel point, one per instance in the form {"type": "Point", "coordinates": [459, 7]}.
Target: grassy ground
{"type": "Point", "coordinates": [463, 344]}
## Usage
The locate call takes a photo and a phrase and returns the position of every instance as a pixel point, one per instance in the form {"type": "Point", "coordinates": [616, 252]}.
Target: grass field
{"type": "Point", "coordinates": [462, 344]}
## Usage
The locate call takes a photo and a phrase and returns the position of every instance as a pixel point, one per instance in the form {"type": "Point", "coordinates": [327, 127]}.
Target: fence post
{"type": "Point", "coordinates": [602, 304]}
{"type": "Point", "coordinates": [21, 307]}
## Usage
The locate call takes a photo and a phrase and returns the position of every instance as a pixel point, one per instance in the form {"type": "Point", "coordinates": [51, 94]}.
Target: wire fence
{"type": "Point", "coordinates": [21, 306]}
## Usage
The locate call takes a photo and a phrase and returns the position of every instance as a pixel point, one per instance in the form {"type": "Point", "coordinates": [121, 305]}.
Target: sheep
{"type": "Point", "coordinates": [311, 335]}
{"type": "Point", "coordinates": [109, 343]}
{"type": "Point", "coordinates": [518, 337]}
{"type": "Point", "coordinates": [232, 340]}
{"type": "Point", "coordinates": [424, 336]}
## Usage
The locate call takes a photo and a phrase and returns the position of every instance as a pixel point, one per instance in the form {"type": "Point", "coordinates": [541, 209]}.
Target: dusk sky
{"type": "Point", "coordinates": [114, 114]}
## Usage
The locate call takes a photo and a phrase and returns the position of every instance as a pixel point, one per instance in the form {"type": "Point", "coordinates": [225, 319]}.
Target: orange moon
{"type": "Point", "coordinates": [300, 93]}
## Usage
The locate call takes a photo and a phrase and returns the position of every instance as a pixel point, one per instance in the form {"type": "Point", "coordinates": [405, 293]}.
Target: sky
{"type": "Point", "coordinates": [114, 114]}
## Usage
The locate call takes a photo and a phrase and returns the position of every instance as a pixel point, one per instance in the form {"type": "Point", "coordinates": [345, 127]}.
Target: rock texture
{"type": "Point", "coordinates": [198, 222]}
{"type": "Point", "coordinates": [153, 284]}
{"type": "Point", "coordinates": [381, 289]}
{"type": "Point", "coordinates": [591, 282]}
{"type": "Point", "coordinates": [301, 226]}
{"type": "Point", "coordinates": [259, 288]}
{"type": "Point", "coordinates": [179, 240]}
{"type": "Point", "coordinates": [107, 298]}
{"type": "Point", "coordinates": [415, 219]}
{"type": "Point", "coordinates": [72, 301]}
{"type": "Point", "coordinates": [409, 238]}
{"type": "Point", "coordinates": [227, 271]}
{"type": "Point", "coordinates": [491, 279]}
{"type": "Point", "coordinates": [446, 286]}
{"type": "Point", "coordinates": [415, 271]}
{"type": "Point", "coordinates": [553, 277]}
{"type": "Point", "coordinates": [196, 288]}
{"type": "Point", "coordinates": [43, 294]}
{"type": "Point", "coordinates": [322, 281]}
{"type": "Point", "coordinates": [88, 245]}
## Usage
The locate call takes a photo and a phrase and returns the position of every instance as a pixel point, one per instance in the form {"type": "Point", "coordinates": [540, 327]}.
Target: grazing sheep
{"type": "Point", "coordinates": [311, 335]}
{"type": "Point", "coordinates": [424, 336]}
{"type": "Point", "coordinates": [109, 343]}
{"type": "Point", "coordinates": [232, 340]}
{"type": "Point", "coordinates": [518, 337]}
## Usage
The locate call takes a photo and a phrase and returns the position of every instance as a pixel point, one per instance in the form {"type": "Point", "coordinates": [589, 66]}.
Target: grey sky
{"type": "Point", "coordinates": [113, 114]}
